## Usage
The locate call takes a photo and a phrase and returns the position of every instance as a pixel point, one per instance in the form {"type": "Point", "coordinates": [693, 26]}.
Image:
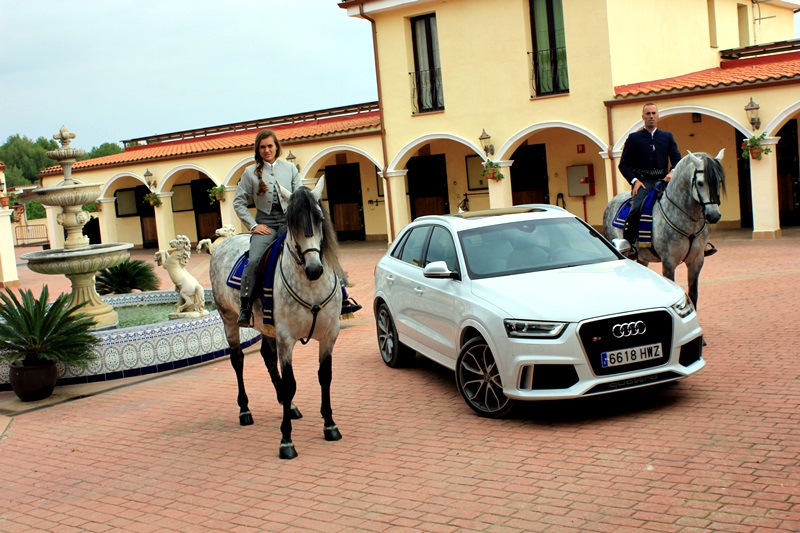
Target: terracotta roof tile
{"type": "Point", "coordinates": [229, 141]}
{"type": "Point", "coordinates": [729, 73]}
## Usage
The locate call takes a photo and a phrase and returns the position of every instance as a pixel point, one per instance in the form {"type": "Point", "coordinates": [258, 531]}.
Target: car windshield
{"type": "Point", "coordinates": [532, 245]}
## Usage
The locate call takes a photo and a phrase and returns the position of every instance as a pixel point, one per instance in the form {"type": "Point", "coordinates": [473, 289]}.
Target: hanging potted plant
{"type": "Point", "coordinates": [752, 148]}
{"type": "Point", "coordinates": [152, 199]}
{"type": "Point", "coordinates": [217, 194]}
{"type": "Point", "coordinates": [4, 199]}
{"type": "Point", "coordinates": [35, 335]}
{"type": "Point", "coordinates": [93, 207]}
{"type": "Point", "coordinates": [491, 170]}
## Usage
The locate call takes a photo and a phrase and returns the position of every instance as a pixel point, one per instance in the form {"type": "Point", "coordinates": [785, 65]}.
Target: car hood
{"type": "Point", "coordinates": [576, 293]}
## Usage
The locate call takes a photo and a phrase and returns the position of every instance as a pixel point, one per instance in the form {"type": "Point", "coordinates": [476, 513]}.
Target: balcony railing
{"type": "Point", "coordinates": [549, 72]}
{"type": "Point", "coordinates": [427, 93]}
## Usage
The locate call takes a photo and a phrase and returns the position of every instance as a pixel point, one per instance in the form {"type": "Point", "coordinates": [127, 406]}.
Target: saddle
{"type": "Point", "coordinates": [265, 271]}
{"type": "Point", "coordinates": [645, 227]}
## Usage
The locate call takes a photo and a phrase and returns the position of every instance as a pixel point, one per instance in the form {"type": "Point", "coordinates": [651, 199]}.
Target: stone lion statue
{"type": "Point", "coordinates": [222, 233]}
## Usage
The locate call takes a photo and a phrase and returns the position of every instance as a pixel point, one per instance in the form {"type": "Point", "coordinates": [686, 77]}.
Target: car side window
{"type": "Point", "coordinates": [413, 246]}
{"type": "Point", "coordinates": [441, 248]}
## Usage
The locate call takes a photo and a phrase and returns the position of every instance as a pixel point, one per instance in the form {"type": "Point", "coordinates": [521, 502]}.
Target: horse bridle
{"type": "Point", "coordinates": [300, 259]}
{"type": "Point", "coordinates": [690, 236]}
{"type": "Point", "coordinates": [299, 255]}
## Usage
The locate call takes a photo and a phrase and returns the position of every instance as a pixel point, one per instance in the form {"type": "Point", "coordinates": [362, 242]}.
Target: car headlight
{"type": "Point", "coordinates": [684, 307]}
{"type": "Point", "coordinates": [533, 328]}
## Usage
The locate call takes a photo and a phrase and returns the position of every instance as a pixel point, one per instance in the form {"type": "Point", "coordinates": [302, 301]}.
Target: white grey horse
{"type": "Point", "coordinates": [680, 217]}
{"type": "Point", "coordinates": [307, 303]}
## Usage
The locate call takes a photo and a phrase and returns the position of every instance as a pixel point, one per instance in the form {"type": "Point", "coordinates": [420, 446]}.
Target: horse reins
{"type": "Point", "coordinates": [314, 308]}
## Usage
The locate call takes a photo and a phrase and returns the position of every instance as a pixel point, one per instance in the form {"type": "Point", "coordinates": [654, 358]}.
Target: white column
{"type": "Point", "coordinates": [396, 195]}
{"type": "Point", "coordinates": [500, 191]}
{"type": "Point", "coordinates": [764, 190]}
{"type": "Point", "coordinates": [226, 212]}
{"type": "Point", "coordinates": [108, 220]}
{"type": "Point", "coordinates": [8, 258]}
{"type": "Point", "coordinates": [55, 231]}
{"type": "Point", "coordinates": [165, 222]}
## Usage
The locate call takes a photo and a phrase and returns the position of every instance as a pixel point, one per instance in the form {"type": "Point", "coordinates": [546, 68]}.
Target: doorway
{"type": "Point", "coordinates": [343, 183]}
{"type": "Point", "coordinates": [427, 185]}
{"type": "Point", "coordinates": [529, 175]}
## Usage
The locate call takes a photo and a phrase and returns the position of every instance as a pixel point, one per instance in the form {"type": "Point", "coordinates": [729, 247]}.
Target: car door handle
{"type": "Point", "coordinates": [418, 290]}
{"type": "Point", "coordinates": [390, 279]}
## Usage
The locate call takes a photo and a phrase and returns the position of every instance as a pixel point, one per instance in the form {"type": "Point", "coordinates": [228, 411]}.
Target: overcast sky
{"type": "Point", "coordinates": [118, 69]}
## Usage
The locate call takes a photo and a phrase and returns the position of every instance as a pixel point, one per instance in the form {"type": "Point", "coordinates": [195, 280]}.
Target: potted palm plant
{"type": "Point", "coordinates": [491, 170]}
{"type": "Point", "coordinates": [35, 335]}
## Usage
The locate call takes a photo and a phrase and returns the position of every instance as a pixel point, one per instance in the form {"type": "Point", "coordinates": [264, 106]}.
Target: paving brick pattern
{"type": "Point", "coordinates": [717, 452]}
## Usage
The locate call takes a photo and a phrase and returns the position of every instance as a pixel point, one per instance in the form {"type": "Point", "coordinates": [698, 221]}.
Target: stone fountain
{"type": "Point", "coordinates": [78, 260]}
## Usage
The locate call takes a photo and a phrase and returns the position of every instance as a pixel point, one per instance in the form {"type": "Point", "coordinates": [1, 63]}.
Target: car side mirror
{"type": "Point", "coordinates": [622, 246]}
{"type": "Point", "coordinates": [438, 269]}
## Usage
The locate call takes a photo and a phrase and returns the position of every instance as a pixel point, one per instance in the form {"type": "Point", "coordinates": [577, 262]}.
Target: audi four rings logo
{"type": "Point", "coordinates": [628, 330]}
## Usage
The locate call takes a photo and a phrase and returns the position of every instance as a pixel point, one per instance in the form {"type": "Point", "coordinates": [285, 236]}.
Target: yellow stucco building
{"type": "Point", "coordinates": [547, 89]}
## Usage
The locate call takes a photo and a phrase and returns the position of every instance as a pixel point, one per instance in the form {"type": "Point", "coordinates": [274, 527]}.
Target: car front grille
{"type": "Point", "coordinates": [619, 333]}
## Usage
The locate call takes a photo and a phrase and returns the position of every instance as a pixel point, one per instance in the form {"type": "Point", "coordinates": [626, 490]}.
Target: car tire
{"type": "Point", "coordinates": [478, 380]}
{"type": "Point", "coordinates": [393, 352]}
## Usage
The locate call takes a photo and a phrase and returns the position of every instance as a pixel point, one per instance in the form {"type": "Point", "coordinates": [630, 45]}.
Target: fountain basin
{"type": "Point", "coordinates": [143, 350]}
{"type": "Point", "coordinates": [93, 259]}
{"type": "Point", "coordinates": [71, 193]}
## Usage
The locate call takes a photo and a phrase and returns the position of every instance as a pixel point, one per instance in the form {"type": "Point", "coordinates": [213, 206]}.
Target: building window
{"type": "Point", "coordinates": [549, 57]}
{"type": "Point", "coordinates": [426, 80]}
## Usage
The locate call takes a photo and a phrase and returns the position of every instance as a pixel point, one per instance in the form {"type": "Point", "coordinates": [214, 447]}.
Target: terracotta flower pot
{"type": "Point", "coordinates": [32, 383]}
{"type": "Point", "coordinates": [4, 201]}
{"type": "Point", "coordinates": [490, 174]}
{"type": "Point", "coordinates": [755, 153]}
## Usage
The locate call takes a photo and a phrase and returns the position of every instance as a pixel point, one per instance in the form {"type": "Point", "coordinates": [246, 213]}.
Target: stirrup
{"type": "Point", "coordinates": [710, 250]}
{"type": "Point", "coordinates": [350, 305]}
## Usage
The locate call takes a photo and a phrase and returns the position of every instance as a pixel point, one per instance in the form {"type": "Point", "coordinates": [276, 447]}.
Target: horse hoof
{"type": "Point", "coordinates": [296, 414]}
{"type": "Point", "coordinates": [287, 450]}
{"type": "Point", "coordinates": [245, 419]}
{"type": "Point", "coordinates": [331, 433]}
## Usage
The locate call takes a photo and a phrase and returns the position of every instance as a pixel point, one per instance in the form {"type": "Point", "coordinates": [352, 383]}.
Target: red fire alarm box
{"type": "Point", "coordinates": [580, 180]}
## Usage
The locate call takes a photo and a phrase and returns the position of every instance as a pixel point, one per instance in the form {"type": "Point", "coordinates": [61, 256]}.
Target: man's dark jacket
{"type": "Point", "coordinates": [636, 155]}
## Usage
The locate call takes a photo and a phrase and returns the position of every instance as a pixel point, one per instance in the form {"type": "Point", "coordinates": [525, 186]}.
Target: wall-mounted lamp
{"type": "Point", "coordinates": [291, 158]}
{"type": "Point", "coordinates": [752, 114]}
{"type": "Point", "coordinates": [151, 181]}
{"type": "Point", "coordinates": [487, 146]}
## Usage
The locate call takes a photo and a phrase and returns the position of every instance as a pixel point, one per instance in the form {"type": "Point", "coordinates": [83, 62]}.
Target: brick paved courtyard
{"type": "Point", "coordinates": [719, 451]}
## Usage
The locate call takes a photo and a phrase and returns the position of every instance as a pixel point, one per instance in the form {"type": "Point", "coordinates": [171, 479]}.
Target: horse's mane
{"type": "Point", "coordinates": [305, 212]}
{"type": "Point", "coordinates": [712, 169]}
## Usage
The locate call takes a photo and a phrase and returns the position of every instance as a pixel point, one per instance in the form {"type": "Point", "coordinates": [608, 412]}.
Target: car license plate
{"type": "Point", "coordinates": [630, 355]}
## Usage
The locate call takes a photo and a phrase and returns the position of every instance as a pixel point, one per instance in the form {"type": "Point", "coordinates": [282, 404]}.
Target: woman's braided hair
{"type": "Point", "coordinates": [263, 134]}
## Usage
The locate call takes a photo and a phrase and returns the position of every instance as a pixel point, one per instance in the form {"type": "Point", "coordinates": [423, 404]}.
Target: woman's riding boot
{"type": "Point", "coordinates": [246, 314]}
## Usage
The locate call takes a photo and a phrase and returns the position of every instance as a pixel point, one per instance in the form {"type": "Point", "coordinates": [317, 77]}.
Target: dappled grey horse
{"type": "Point", "coordinates": [690, 202]}
{"type": "Point", "coordinates": [307, 302]}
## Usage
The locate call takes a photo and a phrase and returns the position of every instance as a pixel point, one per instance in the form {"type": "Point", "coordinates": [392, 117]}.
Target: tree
{"type": "Point", "coordinates": [25, 158]}
{"type": "Point", "coordinates": [35, 210]}
{"type": "Point", "coordinates": [103, 150]}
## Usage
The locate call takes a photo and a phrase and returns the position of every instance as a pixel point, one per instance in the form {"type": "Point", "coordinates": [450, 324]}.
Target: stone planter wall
{"type": "Point", "coordinates": [152, 348]}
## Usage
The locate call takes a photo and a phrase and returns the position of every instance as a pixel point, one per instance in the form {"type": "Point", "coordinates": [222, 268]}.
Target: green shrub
{"type": "Point", "coordinates": [127, 276]}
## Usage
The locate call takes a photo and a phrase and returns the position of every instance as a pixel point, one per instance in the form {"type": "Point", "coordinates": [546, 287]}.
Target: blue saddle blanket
{"type": "Point", "coordinates": [272, 256]}
{"type": "Point", "coordinates": [645, 236]}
